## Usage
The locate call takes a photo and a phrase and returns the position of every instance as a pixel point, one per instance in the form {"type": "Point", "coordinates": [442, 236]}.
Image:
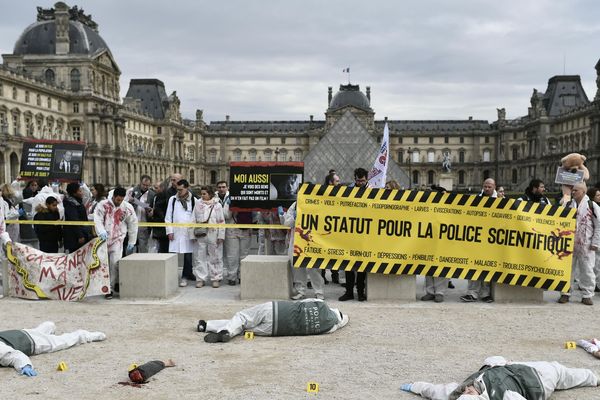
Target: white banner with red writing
{"type": "Point", "coordinates": [34, 275]}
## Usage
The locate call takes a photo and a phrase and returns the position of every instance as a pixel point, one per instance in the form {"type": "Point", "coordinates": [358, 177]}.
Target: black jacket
{"type": "Point", "coordinates": [47, 233]}
{"type": "Point", "coordinates": [161, 202]}
{"type": "Point", "coordinates": [75, 211]}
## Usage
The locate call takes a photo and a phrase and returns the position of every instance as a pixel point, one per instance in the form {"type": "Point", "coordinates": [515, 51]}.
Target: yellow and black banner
{"type": "Point", "coordinates": [434, 234]}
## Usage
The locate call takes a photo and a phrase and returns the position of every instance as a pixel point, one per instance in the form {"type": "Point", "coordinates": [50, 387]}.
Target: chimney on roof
{"type": "Point", "coordinates": [330, 95]}
{"type": "Point", "coordinates": [61, 14]}
{"type": "Point", "coordinates": [227, 118]}
{"type": "Point", "coordinates": [470, 118]}
{"type": "Point", "coordinates": [311, 118]}
{"type": "Point", "coordinates": [385, 119]}
{"type": "Point", "coordinates": [369, 93]}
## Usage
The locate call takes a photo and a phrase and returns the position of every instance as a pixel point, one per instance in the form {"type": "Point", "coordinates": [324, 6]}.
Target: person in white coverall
{"type": "Point", "coordinates": [208, 254]}
{"type": "Point", "coordinates": [587, 242]}
{"type": "Point", "coordinates": [502, 380]}
{"type": "Point", "coordinates": [301, 275]}
{"type": "Point", "coordinates": [115, 219]}
{"type": "Point", "coordinates": [277, 318]}
{"type": "Point", "coordinates": [17, 345]}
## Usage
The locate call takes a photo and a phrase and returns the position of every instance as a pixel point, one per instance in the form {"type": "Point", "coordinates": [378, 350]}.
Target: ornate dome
{"type": "Point", "coordinates": [350, 95]}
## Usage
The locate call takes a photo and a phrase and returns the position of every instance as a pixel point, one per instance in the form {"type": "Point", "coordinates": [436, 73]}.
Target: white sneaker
{"type": "Point", "coordinates": [298, 296]}
{"type": "Point", "coordinates": [320, 296]}
{"type": "Point", "coordinates": [183, 283]}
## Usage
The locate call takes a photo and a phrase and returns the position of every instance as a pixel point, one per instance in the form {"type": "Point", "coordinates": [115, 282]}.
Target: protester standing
{"type": "Point", "coordinates": [49, 236]}
{"type": "Point", "coordinates": [157, 214]}
{"type": "Point", "coordinates": [141, 197]}
{"type": "Point", "coordinates": [75, 236]}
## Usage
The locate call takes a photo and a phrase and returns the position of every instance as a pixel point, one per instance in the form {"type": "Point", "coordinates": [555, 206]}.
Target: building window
{"type": "Point", "coordinates": [415, 177]}
{"type": "Point", "coordinates": [1, 90]}
{"type": "Point", "coordinates": [49, 76]}
{"type": "Point", "coordinates": [26, 96]}
{"type": "Point", "coordinates": [487, 139]}
{"type": "Point", "coordinates": [252, 140]}
{"type": "Point", "coordinates": [298, 155]}
{"type": "Point", "coordinates": [212, 156]}
{"type": "Point", "coordinates": [430, 139]}
{"type": "Point", "coordinates": [159, 130]}
{"type": "Point", "coordinates": [461, 156]}
{"type": "Point", "coordinates": [430, 176]}
{"type": "Point", "coordinates": [415, 156]}
{"type": "Point", "coordinates": [298, 140]}
{"type": "Point", "coordinates": [75, 80]}
{"type": "Point", "coordinates": [400, 156]}
{"type": "Point", "coordinates": [238, 140]}
{"type": "Point", "coordinates": [76, 130]}
{"type": "Point", "coordinates": [213, 177]}
{"type": "Point", "coordinates": [14, 93]}
{"type": "Point", "coordinates": [515, 176]}
{"type": "Point", "coordinates": [486, 174]}
{"type": "Point", "coordinates": [268, 140]}
{"type": "Point", "coordinates": [237, 155]}
{"type": "Point", "coordinates": [60, 105]}
{"type": "Point", "coordinates": [461, 177]}
{"type": "Point", "coordinates": [268, 155]}
{"type": "Point", "coordinates": [49, 102]}
{"type": "Point", "coordinates": [514, 135]}
{"type": "Point", "coordinates": [462, 139]}
{"type": "Point", "coordinates": [15, 119]}
{"type": "Point", "coordinates": [415, 140]}
{"type": "Point", "coordinates": [430, 156]}
{"type": "Point", "coordinates": [446, 139]}
{"type": "Point", "coordinates": [515, 153]}
{"type": "Point", "coordinates": [75, 108]}
{"type": "Point", "coordinates": [486, 156]}
{"type": "Point", "coordinates": [282, 140]}
{"type": "Point", "coordinates": [252, 155]}
{"type": "Point", "coordinates": [38, 100]}
{"type": "Point", "coordinates": [400, 140]}
{"type": "Point", "coordinates": [192, 177]}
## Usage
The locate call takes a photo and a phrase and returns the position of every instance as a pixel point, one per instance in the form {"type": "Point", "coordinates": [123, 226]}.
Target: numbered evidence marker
{"type": "Point", "coordinates": [248, 335]}
{"type": "Point", "coordinates": [62, 366]}
{"type": "Point", "coordinates": [312, 387]}
{"type": "Point", "coordinates": [570, 345]}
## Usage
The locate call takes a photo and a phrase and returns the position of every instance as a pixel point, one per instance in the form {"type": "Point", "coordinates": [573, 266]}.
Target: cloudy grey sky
{"type": "Point", "coordinates": [273, 59]}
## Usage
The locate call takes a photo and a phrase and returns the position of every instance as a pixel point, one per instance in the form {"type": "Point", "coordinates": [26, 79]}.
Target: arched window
{"type": "Point", "coordinates": [213, 177]}
{"type": "Point", "coordinates": [415, 156]}
{"type": "Point", "coordinates": [461, 156]}
{"type": "Point", "coordinates": [14, 166]}
{"type": "Point", "coordinates": [430, 156]}
{"type": "Point", "coordinates": [486, 156]}
{"type": "Point", "coordinates": [461, 177]}
{"type": "Point", "coordinates": [430, 176]}
{"type": "Point", "coordinates": [415, 177]}
{"type": "Point", "coordinates": [49, 76]}
{"type": "Point", "coordinates": [75, 80]}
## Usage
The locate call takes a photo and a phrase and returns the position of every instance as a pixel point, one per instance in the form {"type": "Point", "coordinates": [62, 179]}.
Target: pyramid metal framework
{"type": "Point", "coordinates": [345, 147]}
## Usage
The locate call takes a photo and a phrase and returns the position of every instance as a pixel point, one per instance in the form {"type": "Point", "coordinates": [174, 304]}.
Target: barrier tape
{"type": "Point", "coordinates": [449, 235]}
{"type": "Point", "coordinates": [152, 224]}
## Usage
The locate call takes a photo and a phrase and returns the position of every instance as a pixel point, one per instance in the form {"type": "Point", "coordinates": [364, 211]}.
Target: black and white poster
{"type": "Point", "coordinates": [52, 160]}
{"type": "Point", "coordinates": [264, 185]}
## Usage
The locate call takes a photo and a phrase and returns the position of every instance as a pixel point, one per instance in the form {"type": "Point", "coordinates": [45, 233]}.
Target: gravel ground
{"type": "Point", "coordinates": [383, 346]}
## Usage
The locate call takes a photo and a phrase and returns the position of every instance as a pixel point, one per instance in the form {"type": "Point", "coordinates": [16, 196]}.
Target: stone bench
{"type": "Point", "coordinates": [148, 275]}
{"type": "Point", "coordinates": [516, 294]}
{"type": "Point", "coordinates": [391, 287]}
{"type": "Point", "coordinates": [265, 277]}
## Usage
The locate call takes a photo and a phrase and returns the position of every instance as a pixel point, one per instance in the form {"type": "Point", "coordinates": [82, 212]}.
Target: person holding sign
{"type": "Point", "coordinates": [277, 318]}
{"type": "Point", "coordinates": [115, 219]}
{"type": "Point", "coordinates": [17, 345]}
{"type": "Point", "coordinates": [503, 380]}
{"type": "Point", "coordinates": [587, 242]}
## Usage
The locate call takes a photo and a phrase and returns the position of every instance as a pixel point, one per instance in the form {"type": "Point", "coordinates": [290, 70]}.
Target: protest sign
{"type": "Point", "coordinates": [264, 185]}
{"type": "Point", "coordinates": [52, 160]}
{"type": "Point", "coordinates": [33, 274]}
{"type": "Point", "coordinates": [436, 234]}
{"type": "Point", "coordinates": [564, 177]}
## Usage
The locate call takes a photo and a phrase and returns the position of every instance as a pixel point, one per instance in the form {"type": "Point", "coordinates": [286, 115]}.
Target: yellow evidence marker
{"type": "Point", "coordinates": [62, 366]}
{"type": "Point", "coordinates": [312, 387]}
{"type": "Point", "coordinates": [570, 345]}
{"type": "Point", "coordinates": [248, 335]}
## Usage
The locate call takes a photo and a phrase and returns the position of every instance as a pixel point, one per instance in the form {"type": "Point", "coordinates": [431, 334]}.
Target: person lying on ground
{"type": "Point", "coordinates": [592, 346]}
{"type": "Point", "coordinates": [277, 318]}
{"type": "Point", "coordinates": [142, 373]}
{"type": "Point", "coordinates": [502, 380]}
{"type": "Point", "coordinates": [17, 345]}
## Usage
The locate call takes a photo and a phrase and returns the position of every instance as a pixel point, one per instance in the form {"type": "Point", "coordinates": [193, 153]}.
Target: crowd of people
{"type": "Point", "coordinates": [212, 256]}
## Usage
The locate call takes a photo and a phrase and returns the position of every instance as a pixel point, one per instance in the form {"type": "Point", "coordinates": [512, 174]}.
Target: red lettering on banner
{"type": "Point", "coordinates": [75, 292]}
{"type": "Point", "coordinates": [74, 261]}
{"type": "Point", "coordinates": [47, 271]}
{"type": "Point", "coordinates": [61, 261]}
{"type": "Point", "coordinates": [63, 276]}
{"type": "Point", "coordinates": [57, 290]}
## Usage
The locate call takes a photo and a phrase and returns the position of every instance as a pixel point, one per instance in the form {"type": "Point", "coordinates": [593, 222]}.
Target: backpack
{"type": "Point", "coordinates": [173, 205]}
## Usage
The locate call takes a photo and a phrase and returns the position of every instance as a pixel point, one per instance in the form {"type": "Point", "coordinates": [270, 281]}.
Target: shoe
{"type": "Point", "coordinates": [563, 299]}
{"type": "Point", "coordinates": [362, 297]}
{"type": "Point", "coordinates": [116, 288]}
{"type": "Point", "coordinates": [439, 298]}
{"type": "Point", "coordinates": [182, 283]}
{"type": "Point", "coordinates": [96, 336]}
{"type": "Point", "coordinates": [201, 326]}
{"type": "Point", "coordinates": [231, 282]}
{"type": "Point", "coordinates": [222, 336]}
{"type": "Point", "coordinates": [487, 299]}
{"type": "Point", "coordinates": [346, 296]}
{"type": "Point", "coordinates": [428, 297]}
{"type": "Point", "coordinates": [597, 289]}
{"type": "Point", "coordinates": [216, 284]}
{"type": "Point", "coordinates": [320, 296]}
{"type": "Point", "coordinates": [199, 284]}
{"type": "Point", "coordinates": [450, 285]}
{"type": "Point", "coordinates": [335, 277]}
{"type": "Point", "coordinates": [468, 298]}
{"type": "Point", "coordinates": [298, 296]}
{"type": "Point", "coordinates": [108, 296]}
{"type": "Point", "coordinates": [587, 301]}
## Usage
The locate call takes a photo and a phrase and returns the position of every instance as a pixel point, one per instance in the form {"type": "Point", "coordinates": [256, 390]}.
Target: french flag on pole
{"type": "Point", "coordinates": [378, 174]}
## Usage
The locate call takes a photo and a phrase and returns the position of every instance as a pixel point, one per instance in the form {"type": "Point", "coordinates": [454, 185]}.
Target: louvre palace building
{"type": "Point", "coordinates": [62, 82]}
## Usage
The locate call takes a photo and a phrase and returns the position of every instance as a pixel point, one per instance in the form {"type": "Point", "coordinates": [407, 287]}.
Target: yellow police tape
{"type": "Point", "coordinates": [434, 234]}
{"type": "Point", "coordinates": [151, 224]}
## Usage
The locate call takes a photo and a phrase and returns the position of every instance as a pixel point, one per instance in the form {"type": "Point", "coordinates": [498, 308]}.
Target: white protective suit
{"type": "Point", "coordinates": [181, 242]}
{"type": "Point", "coordinates": [587, 234]}
{"type": "Point", "coordinates": [259, 319]}
{"type": "Point", "coordinates": [275, 237]}
{"type": "Point", "coordinates": [45, 341]}
{"type": "Point", "coordinates": [553, 375]}
{"type": "Point", "coordinates": [301, 275]}
{"type": "Point", "coordinates": [208, 255]}
{"type": "Point", "coordinates": [4, 236]}
{"type": "Point", "coordinates": [11, 213]}
{"type": "Point", "coordinates": [117, 222]}
{"type": "Point", "coordinates": [41, 197]}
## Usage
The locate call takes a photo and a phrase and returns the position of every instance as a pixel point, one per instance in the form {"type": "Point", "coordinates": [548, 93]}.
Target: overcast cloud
{"type": "Point", "coordinates": [273, 60]}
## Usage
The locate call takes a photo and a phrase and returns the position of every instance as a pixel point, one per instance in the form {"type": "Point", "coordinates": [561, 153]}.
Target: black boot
{"type": "Point", "coordinates": [347, 296]}
{"type": "Point", "coordinates": [362, 296]}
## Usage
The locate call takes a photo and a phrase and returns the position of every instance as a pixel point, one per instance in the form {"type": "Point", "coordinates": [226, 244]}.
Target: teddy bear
{"type": "Point", "coordinates": [572, 163]}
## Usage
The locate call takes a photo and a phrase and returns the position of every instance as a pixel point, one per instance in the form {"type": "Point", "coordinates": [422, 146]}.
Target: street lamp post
{"type": "Point", "coordinates": [409, 168]}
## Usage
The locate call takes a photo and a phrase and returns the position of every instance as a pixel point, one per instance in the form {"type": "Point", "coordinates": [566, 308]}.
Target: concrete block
{"type": "Point", "coordinates": [516, 294]}
{"type": "Point", "coordinates": [391, 287]}
{"type": "Point", "coordinates": [148, 275]}
{"type": "Point", "coordinates": [266, 277]}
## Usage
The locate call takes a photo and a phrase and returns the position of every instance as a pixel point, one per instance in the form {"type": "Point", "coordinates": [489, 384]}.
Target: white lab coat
{"type": "Point", "coordinates": [181, 242]}
{"type": "Point", "coordinates": [554, 376]}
